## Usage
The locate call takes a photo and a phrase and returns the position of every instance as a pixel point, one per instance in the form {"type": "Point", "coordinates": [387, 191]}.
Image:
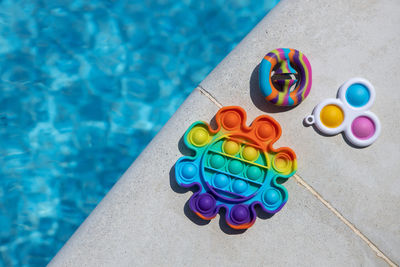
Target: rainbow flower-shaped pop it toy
{"type": "Point", "coordinates": [235, 167]}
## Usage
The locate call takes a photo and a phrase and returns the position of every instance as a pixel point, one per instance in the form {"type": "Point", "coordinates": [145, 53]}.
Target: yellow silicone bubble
{"type": "Point", "coordinates": [250, 153]}
{"type": "Point", "coordinates": [199, 136]}
{"type": "Point", "coordinates": [231, 147]}
{"type": "Point", "coordinates": [332, 116]}
{"type": "Point", "coordinates": [282, 163]}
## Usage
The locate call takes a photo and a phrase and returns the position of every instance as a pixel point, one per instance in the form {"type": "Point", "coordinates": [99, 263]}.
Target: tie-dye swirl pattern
{"type": "Point", "coordinates": [285, 60]}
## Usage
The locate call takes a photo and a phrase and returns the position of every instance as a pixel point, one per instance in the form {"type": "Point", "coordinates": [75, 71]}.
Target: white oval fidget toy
{"type": "Point", "coordinates": [349, 113]}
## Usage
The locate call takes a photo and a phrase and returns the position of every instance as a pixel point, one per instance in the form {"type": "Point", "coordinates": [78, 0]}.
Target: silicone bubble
{"type": "Point", "coordinates": [231, 120]}
{"type": "Point", "coordinates": [254, 172]}
{"type": "Point", "coordinates": [217, 161]}
{"type": "Point", "coordinates": [282, 161]}
{"type": "Point", "coordinates": [189, 170]}
{"type": "Point", "coordinates": [363, 127]}
{"type": "Point", "coordinates": [332, 116]}
{"type": "Point", "coordinates": [240, 213]}
{"type": "Point", "coordinates": [231, 147]}
{"type": "Point", "coordinates": [205, 203]}
{"type": "Point", "coordinates": [349, 113]}
{"type": "Point", "coordinates": [265, 130]}
{"type": "Point", "coordinates": [357, 95]}
{"type": "Point", "coordinates": [235, 167]}
{"type": "Point", "coordinates": [250, 153]}
{"type": "Point", "coordinates": [272, 196]}
{"type": "Point", "coordinates": [199, 136]}
{"type": "Point", "coordinates": [239, 186]}
{"type": "Point", "coordinates": [221, 180]}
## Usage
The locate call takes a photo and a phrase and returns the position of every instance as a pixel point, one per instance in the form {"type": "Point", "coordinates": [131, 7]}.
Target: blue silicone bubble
{"type": "Point", "coordinates": [221, 180]}
{"type": "Point", "coordinates": [239, 186]}
{"type": "Point", "coordinates": [357, 95]}
{"type": "Point", "coordinates": [188, 170]}
{"type": "Point", "coordinates": [272, 196]}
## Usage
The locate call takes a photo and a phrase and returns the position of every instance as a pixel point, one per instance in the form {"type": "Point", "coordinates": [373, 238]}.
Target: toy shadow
{"type": "Point", "coordinates": [305, 124]}
{"type": "Point", "coordinates": [257, 97]}
{"type": "Point", "coordinates": [222, 212]}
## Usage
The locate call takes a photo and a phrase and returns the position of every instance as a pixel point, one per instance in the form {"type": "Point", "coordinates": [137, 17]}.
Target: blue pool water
{"type": "Point", "coordinates": [84, 86]}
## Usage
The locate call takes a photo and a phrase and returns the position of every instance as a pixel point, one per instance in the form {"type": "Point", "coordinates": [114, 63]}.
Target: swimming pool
{"type": "Point", "coordinates": [84, 87]}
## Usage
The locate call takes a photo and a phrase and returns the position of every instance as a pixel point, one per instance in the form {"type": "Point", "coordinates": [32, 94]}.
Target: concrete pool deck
{"type": "Point", "coordinates": [343, 206]}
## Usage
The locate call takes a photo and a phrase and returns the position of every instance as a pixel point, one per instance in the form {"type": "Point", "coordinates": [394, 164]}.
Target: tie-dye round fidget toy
{"type": "Point", "coordinates": [285, 77]}
{"type": "Point", "coordinates": [349, 113]}
{"type": "Point", "coordinates": [235, 167]}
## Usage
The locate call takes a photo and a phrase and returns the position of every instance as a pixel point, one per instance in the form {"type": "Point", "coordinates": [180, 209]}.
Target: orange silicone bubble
{"type": "Point", "coordinates": [265, 131]}
{"type": "Point", "coordinates": [231, 120]}
{"type": "Point", "coordinates": [263, 128]}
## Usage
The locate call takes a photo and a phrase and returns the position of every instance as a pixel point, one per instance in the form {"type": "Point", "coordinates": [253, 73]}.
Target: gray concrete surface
{"type": "Point", "coordinates": [147, 223]}
{"type": "Point", "coordinates": [342, 40]}
{"type": "Point", "coordinates": [143, 221]}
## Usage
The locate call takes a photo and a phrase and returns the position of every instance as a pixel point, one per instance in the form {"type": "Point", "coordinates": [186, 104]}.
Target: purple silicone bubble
{"type": "Point", "coordinates": [205, 203]}
{"type": "Point", "coordinates": [240, 214]}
